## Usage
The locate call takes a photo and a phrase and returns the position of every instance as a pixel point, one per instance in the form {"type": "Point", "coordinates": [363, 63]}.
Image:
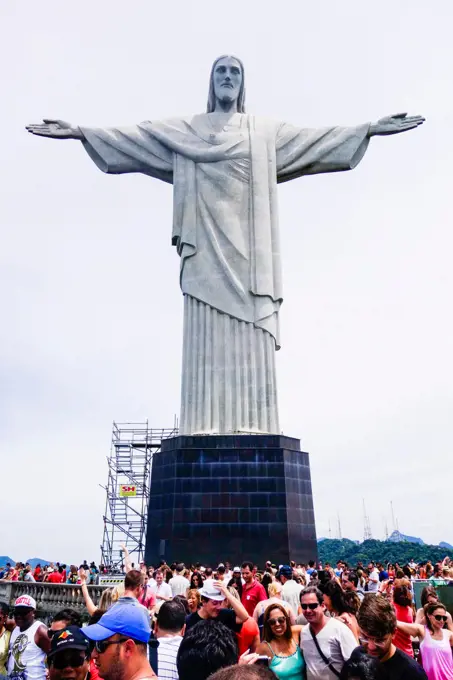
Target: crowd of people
{"type": "Point", "coordinates": [50, 573]}
{"type": "Point", "coordinates": [291, 622]}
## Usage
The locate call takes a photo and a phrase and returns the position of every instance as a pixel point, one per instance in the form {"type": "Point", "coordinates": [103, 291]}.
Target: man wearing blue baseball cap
{"type": "Point", "coordinates": [291, 590]}
{"type": "Point", "coordinates": [121, 643]}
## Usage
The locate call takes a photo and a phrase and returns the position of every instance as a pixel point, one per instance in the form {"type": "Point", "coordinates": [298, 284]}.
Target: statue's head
{"type": "Point", "coordinates": [226, 82]}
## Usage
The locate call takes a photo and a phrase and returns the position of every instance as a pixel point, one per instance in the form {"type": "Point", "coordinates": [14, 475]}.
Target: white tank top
{"type": "Point", "coordinates": [26, 660]}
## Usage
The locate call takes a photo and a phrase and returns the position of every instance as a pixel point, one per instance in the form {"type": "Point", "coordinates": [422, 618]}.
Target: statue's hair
{"type": "Point", "coordinates": [211, 96]}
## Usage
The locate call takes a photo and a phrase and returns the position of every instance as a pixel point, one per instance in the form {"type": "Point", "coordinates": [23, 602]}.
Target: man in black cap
{"type": "Point", "coordinates": [69, 656]}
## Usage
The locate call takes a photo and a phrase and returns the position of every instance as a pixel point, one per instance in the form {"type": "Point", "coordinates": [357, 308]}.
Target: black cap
{"type": "Point", "coordinates": [68, 638]}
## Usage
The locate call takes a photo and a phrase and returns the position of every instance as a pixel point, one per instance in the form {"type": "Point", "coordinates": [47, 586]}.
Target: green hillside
{"type": "Point", "coordinates": [332, 550]}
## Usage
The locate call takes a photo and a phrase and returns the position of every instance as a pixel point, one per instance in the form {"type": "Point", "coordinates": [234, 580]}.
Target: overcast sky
{"type": "Point", "coordinates": [91, 308]}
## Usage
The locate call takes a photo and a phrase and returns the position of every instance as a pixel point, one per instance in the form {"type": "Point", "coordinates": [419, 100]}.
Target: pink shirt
{"type": "Point", "coordinates": [436, 656]}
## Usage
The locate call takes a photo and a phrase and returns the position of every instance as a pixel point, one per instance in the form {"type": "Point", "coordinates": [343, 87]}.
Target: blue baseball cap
{"type": "Point", "coordinates": [285, 570]}
{"type": "Point", "coordinates": [130, 620]}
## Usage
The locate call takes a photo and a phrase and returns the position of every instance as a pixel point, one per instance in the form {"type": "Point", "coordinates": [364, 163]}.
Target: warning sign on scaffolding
{"type": "Point", "coordinates": [128, 490]}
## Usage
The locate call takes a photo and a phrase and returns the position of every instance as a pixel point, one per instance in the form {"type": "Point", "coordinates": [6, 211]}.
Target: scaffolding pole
{"type": "Point", "coordinates": [127, 491]}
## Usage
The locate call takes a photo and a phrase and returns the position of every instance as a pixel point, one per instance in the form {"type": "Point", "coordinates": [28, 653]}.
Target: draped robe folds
{"type": "Point", "coordinates": [225, 229]}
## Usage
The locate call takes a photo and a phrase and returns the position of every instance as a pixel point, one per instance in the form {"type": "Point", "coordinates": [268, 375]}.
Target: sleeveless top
{"type": "Point", "coordinates": [26, 660]}
{"type": "Point", "coordinates": [400, 639]}
{"type": "Point", "coordinates": [437, 656]}
{"type": "Point", "coordinates": [287, 667]}
{"type": "Point", "coordinates": [4, 646]}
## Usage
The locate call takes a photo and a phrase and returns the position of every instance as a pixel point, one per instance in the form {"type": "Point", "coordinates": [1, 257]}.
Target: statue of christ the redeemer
{"type": "Point", "coordinates": [225, 166]}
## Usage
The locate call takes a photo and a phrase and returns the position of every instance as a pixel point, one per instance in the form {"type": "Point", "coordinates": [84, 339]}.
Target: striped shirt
{"type": "Point", "coordinates": [166, 657]}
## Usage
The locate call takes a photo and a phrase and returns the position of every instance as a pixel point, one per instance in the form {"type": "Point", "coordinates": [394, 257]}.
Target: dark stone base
{"type": "Point", "coordinates": [231, 497]}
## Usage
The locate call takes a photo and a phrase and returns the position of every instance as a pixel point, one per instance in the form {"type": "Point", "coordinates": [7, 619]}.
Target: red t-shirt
{"type": "Point", "coordinates": [400, 639]}
{"type": "Point", "coordinates": [54, 577]}
{"type": "Point", "coordinates": [251, 595]}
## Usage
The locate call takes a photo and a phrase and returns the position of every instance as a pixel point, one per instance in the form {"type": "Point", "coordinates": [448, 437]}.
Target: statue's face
{"type": "Point", "coordinates": [227, 79]}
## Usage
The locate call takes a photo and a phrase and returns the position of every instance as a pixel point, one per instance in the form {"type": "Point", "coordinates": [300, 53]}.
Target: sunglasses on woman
{"type": "Point", "coordinates": [312, 606]}
{"type": "Point", "coordinates": [279, 621]}
{"type": "Point", "coordinates": [440, 617]}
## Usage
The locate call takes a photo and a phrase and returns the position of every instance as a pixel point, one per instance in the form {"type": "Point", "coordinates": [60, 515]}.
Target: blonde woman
{"type": "Point", "coordinates": [193, 600]}
{"type": "Point", "coordinates": [108, 597]}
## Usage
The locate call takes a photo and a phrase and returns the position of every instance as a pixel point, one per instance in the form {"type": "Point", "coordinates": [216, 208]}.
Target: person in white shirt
{"type": "Point", "coordinates": [161, 590]}
{"type": "Point", "coordinates": [169, 631]}
{"type": "Point", "coordinates": [179, 584]}
{"type": "Point", "coordinates": [373, 578]}
{"type": "Point", "coordinates": [28, 576]}
{"type": "Point", "coordinates": [327, 643]}
{"type": "Point", "coordinates": [29, 643]}
{"type": "Point", "coordinates": [291, 589]}
{"type": "Point", "coordinates": [228, 572]}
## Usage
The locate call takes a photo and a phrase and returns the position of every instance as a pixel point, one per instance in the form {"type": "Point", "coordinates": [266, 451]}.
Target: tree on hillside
{"type": "Point", "coordinates": [332, 550]}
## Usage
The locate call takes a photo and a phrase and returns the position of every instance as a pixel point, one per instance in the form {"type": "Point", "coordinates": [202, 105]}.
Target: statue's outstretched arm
{"type": "Point", "coordinates": [392, 125]}
{"type": "Point", "coordinates": [56, 129]}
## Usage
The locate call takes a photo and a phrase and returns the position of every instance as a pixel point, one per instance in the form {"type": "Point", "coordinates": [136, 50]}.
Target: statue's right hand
{"type": "Point", "coordinates": [56, 129]}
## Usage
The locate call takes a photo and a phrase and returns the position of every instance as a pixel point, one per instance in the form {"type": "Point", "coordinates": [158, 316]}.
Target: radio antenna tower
{"type": "Point", "coordinates": [366, 524]}
{"type": "Point", "coordinates": [396, 530]}
{"type": "Point", "coordinates": [330, 529]}
{"type": "Point", "coordinates": [386, 529]}
{"type": "Point", "coordinates": [339, 527]}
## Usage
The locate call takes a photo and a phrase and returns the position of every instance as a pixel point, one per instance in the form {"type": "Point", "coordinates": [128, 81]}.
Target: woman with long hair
{"type": "Point", "coordinates": [342, 605]}
{"type": "Point", "coordinates": [402, 604]}
{"type": "Point", "coordinates": [73, 576]}
{"type": "Point", "coordinates": [430, 596]}
{"type": "Point", "coordinates": [281, 644]}
{"type": "Point", "coordinates": [196, 581]}
{"type": "Point", "coordinates": [236, 581]}
{"type": "Point", "coordinates": [436, 642]}
{"type": "Point", "coordinates": [268, 578]}
{"type": "Point", "coordinates": [275, 597]}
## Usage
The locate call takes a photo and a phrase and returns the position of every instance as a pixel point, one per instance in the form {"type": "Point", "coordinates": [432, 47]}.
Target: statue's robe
{"type": "Point", "coordinates": [225, 229]}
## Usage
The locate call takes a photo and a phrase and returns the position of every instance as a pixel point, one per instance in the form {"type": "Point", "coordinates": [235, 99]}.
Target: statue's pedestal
{"type": "Point", "coordinates": [231, 497]}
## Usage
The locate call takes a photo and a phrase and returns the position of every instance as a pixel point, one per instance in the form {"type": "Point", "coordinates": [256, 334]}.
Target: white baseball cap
{"type": "Point", "coordinates": [25, 601]}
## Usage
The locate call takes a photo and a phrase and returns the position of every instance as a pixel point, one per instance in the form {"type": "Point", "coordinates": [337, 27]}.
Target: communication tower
{"type": "Point", "coordinates": [340, 536]}
{"type": "Point", "coordinates": [128, 488]}
{"type": "Point", "coordinates": [367, 535]}
{"type": "Point", "coordinates": [396, 535]}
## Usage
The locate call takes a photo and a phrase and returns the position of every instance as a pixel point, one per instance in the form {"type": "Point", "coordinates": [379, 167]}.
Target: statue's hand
{"type": "Point", "coordinates": [392, 125]}
{"type": "Point", "coordinates": [56, 129]}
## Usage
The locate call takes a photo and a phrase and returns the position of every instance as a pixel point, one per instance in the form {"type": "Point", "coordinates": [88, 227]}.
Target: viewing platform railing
{"type": "Point", "coordinates": [50, 597]}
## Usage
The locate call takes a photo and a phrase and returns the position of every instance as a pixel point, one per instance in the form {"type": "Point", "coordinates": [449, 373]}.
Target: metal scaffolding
{"type": "Point", "coordinates": [128, 487]}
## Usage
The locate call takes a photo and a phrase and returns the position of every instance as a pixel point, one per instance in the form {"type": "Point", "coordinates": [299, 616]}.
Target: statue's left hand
{"type": "Point", "coordinates": [392, 125]}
